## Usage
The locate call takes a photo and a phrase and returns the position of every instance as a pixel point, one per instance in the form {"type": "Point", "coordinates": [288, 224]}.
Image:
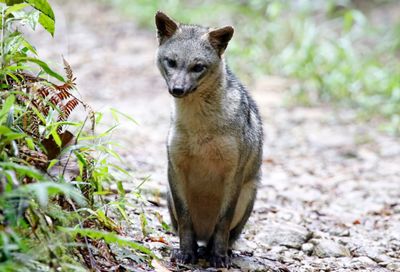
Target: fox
{"type": "Point", "coordinates": [214, 144]}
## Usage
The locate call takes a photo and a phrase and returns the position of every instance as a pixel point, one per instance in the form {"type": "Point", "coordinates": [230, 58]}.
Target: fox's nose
{"type": "Point", "coordinates": [177, 91]}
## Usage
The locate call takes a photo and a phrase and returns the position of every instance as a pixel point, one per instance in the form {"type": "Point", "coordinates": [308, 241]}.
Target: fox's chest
{"type": "Point", "coordinates": [203, 156]}
{"type": "Point", "coordinates": [203, 145]}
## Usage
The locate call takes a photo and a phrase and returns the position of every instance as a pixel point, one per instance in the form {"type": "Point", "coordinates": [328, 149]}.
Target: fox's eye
{"type": "Point", "coordinates": [171, 63]}
{"type": "Point", "coordinates": [198, 68]}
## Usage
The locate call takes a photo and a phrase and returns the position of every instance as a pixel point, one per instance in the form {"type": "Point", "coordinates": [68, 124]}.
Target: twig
{"type": "Point", "coordinates": [77, 137]}
{"type": "Point", "coordinates": [92, 260]}
{"type": "Point", "coordinates": [2, 38]}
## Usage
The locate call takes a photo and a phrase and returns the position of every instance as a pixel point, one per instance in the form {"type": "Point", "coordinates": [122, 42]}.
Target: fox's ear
{"type": "Point", "coordinates": [219, 38]}
{"type": "Point", "coordinates": [166, 27]}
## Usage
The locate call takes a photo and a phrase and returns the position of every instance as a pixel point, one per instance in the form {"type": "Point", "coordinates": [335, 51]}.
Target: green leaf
{"type": "Point", "coordinates": [31, 19]}
{"type": "Point", "coordinates": [12, 43]}
{"type": "Point", "coordinates": [14, 8]}
{"type": "Point", "coordinates": [52, 163]}
{"type": "Point", "coordinates": [109, 238]}
{"type": "Point", "coordinates": [47, 23]}
{"type": "Point", "coordinates": [44, 66]}
{"type": "Point", "coordinates": [143, 223]}
{"type": "Point", "coordinates": [348, 20]}
{"type": "Point", "coordinates": [39, 115]}
{"type": "Point", "coordinates": [12, 179]}
{"type": "Point", "coordinates": [114, 112]}
{"type": "Point", "coordinates": [42, 195]}
{"type": "Point", "coordinates": [30, 143]}
{"type": "Point", "coordinates": [123, 213]}
{"type": "Point", "coordinates": [2, 85]}
{"type": "Point", "coordinates": [44, 190]}
{"type": "Point", "coordinates": [43, 6]}
{"type": "Point", "coordinates": [22, 170]}
{"type": "Point", "coordinates": [6, 107]}
{"type": "Point", "coordinates": [121, 189]}
{"type": "Point", "coordinates": [17, 68]}
{"type": "Point", "coordinates": [56, 137]}
{"type": "Point", "coordinates": [98, 136]}
{"type": "Point", "coordinates": [119, 168]}
{"type": "Point", "coordinates": [106, 221]}
{"type": "Point", "coordinates": [11, 136]}
{"type": "Point", "coordinates": [11, 2]}
{"type": "Point", "coordinates": [10, 74]}
{"type": "Point", "coordinates": [4, 130]}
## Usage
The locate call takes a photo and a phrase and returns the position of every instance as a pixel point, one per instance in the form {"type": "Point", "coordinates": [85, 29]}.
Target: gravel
{"type": "Point", "coordinates": [330, 191]}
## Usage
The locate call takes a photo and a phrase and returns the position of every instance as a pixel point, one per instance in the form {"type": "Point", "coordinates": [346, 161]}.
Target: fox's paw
{"type": "Point", "coordinates": [203, 253]}
{"type": "Point", "coordinates": [184, 257]}
{"type": "Point", "coordinates": [220, 261]}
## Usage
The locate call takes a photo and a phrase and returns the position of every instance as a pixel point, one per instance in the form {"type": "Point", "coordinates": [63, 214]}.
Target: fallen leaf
{"type": "Point", "coordinates": [53, 150]}
{"type": "Point", "coordinates": [269, 160]}
{"type": "Point", "coordinates": [157, 239]}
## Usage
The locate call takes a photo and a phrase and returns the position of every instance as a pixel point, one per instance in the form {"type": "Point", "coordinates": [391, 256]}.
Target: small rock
{"type": "Point", "coordinates": [245, 245]}
{"type": "Point", "coordinates": [344, 233]}
{"type": "Point", "coordinates": [378, 257]}
{"type": "Point", "coordinates": [307, 248]}
{"type": "Point", "coordinates": [362, 262]}
{"type": "Point", "coordinates": [276, 251]}
{"type": "Point", "coordinates": [320, 234]}
{"type": "Point", "coordinates": [248, 264]}
{"type": "Point", "coordinates": [394, 266]}
{"type": "Point", "coordinates": [365, 260]}
{"type": "Point", "coordinates": [329, 248]}
{"type": "Point", "coordinates": [289, 235]}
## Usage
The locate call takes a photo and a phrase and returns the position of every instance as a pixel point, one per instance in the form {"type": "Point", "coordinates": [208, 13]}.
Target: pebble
{"type": "Point", "coordinates": [394, 266]}
{"type": "Point", "coordinates": [245, 245]}
{"type": "Point", "coordinates": [328, 248]}
{"type": "Point", "coordinates": [378, 257]}
{"type": "Point", "coordinates": [307, 248]}
{"type": "Point", "coordinates": [362, 262]}
{"type": "Point", "coordinates": [287, 234]}
{"type": "Point", "coordinates": [248, 264]}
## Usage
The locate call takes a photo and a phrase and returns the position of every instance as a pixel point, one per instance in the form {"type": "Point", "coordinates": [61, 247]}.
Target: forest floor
{"type": "Point", "coordinates": [329, 199]}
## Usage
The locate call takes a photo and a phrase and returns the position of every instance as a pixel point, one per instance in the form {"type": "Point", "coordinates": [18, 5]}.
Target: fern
{"type": "Point", "coordinates": [47, 180]}
{"type": "Point", "coordinates": [42, 96]}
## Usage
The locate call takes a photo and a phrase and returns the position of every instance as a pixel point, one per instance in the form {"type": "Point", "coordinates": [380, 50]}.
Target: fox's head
{"type": "Point", "coordinates": [189, 56]}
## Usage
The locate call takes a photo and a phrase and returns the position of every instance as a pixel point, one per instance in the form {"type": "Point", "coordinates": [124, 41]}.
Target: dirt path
{"type": "Point", "coordinates": [329, 199]}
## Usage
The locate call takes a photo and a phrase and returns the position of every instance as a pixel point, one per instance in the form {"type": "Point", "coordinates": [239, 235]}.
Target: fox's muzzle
{"type": "Point", "coordinates": [179, 92]}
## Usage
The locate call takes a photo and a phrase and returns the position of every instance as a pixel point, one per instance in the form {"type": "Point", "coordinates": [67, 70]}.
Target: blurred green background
{"type": "Point", "coordinates": [344, 52]}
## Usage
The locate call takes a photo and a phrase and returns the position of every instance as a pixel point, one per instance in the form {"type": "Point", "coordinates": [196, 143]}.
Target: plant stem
{"type": "Point", "coordinates": [2, 38]}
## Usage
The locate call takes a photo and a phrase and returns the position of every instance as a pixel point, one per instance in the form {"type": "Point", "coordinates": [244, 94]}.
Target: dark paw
{"type": "Point", "coordinates": [183, 257]}
{"type": "Point", "coordinates": [219, 261]}
{"type": "Point", "coordinates": [203, 253]}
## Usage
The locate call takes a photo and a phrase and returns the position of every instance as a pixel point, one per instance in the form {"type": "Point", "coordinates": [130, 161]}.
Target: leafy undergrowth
{"type": "Point", "coordinates": [331, 50]}
{"type": "Point", "coordinates": [55, 173]}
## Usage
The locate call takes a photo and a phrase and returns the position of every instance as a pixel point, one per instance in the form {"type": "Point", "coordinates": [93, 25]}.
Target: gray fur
{"type": "Point", "coordinates": [214, 144]}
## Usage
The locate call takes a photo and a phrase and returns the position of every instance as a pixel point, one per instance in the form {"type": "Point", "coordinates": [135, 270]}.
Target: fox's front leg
{"type": "Point", "coordinates": [187, 252]}
{"type": "Point", "coordinates": [220, 240]}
